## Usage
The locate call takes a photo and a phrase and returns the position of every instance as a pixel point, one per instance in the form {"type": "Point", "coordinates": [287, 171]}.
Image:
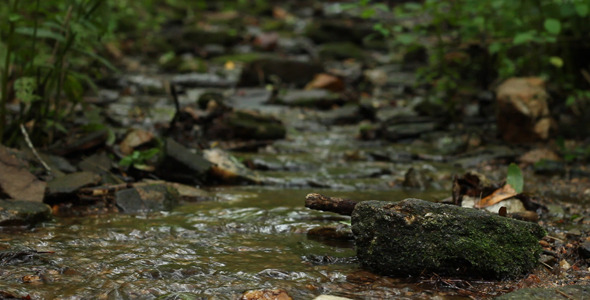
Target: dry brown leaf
{"type": "Point", "coordinates": [16, 181]}
{"type": "Point", "coordinates": [503, 193]}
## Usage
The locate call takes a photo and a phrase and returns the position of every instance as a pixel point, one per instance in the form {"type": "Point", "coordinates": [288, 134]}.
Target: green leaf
{"type": "Point", "coordinates": [582, 9]}
{"type": "Point", "coordinates": [41, 33]}
{"type": "Point", "coordinates": [523, 37]}
{"type": "Point", "coordinates": [571, 100]}
{"type": "Point", "coordinates": [514, 177]}
{"type": "Point", "coordinates": [25, 89]}
{"type": "Point", "coordinates": [495, 47]}
{"type": "Point", "coordinates": [552, 26]}
{"type": "Point", "coordinates": [405, 38]}
{"type": "Point", "coordinates": [556, 61]}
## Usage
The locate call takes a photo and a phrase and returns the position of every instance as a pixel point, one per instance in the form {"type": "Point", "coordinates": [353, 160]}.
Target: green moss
{"type": "Point", "coordinates": [443, 239]}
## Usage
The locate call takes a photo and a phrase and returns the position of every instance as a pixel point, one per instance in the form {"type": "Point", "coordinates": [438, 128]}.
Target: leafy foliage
{"type": "Point", "coordinates": [478, 43]}
{"type": "Point", "coordinates": [44, 45]}
{"type": "Point", "coordinates": [514, 177]}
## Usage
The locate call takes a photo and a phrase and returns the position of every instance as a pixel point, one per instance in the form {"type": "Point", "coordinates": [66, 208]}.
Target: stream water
{"type": "Point", "coordinates": [247, 238]}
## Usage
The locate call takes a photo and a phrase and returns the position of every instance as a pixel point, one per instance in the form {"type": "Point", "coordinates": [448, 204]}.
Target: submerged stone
{"type": "Point", "coordinates": [413, 236]}
{"type": "Point", "coordinates": [23, 213]}
{"type": "Point", "coordinates": [148, 198]}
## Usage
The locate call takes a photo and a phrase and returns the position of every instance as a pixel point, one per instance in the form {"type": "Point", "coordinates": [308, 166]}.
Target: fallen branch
{"type": "Point", "coordinates": [30, 144]}
{"type": "Point", "coordinates": [333, 204]}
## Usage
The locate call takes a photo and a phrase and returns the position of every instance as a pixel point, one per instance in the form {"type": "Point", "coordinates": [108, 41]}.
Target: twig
{"type": "Point", "coordinates": [563, 294]}
{"type": "Point", "coordinates": [30, 144]}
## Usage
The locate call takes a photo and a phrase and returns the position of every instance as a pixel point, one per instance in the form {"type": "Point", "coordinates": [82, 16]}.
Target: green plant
{"type": "Point", "coordinates": [477, 43]}
{"type": "Point", "coordinates": [138, 159]}
{"type": "Point", "coordinates": [514, 178]}
{"type": "Point", "coordinates": [44, 47]}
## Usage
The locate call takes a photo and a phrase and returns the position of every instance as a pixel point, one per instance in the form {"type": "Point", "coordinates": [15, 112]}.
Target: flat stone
{"type": "Point", "coordinates": [72, 182]}
{"type": "Point", "coordinates": [16, 180]}
{"type": "Point", "coordinates": [288, 71]}
{"type": "Point", "coordinates": [414, 237]}
{"type": "Point", "coordinates": [147, 198]}
{"type": "Point", "coordinates": [183, 165]}
{"type": "Point", "coordinates": [311, 98]}
{"type": "Point", "coordinates": [23, 213]}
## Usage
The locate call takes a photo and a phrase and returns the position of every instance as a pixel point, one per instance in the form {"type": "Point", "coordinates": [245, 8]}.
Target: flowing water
{"type": "Point", "coordinates": [247, 238]}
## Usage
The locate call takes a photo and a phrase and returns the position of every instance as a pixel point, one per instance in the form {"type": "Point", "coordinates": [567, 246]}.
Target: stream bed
{"type": "Point", "coordinates": [245, 237]}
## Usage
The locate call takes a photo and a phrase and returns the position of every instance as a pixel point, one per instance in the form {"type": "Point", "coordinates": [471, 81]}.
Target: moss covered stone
{"type": "Point", "coordinates": [414, 237]}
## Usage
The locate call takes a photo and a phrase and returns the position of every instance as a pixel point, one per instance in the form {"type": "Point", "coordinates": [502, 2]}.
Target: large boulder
{"type": "Point", "coordinates": [413, 236]}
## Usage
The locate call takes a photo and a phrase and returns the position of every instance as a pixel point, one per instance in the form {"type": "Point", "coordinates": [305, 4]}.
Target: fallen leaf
{"type": "Point", "coordinates": [503, 193]}
{"type": "Point", "coordinates": [15, 179]}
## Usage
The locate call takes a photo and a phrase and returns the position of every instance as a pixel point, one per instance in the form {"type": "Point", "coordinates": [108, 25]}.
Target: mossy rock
{"type": "Point", "coordinates": [23, 213]}
{"type": "Point", "coordinates": [414, 237]}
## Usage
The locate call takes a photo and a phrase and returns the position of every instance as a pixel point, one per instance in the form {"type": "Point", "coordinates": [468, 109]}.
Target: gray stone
{"type": "Point", "coordinates": [182, 165]}
{"type": "Point", "coordinates": [311, 98]}
{"type": "Point", "coordinates": [72, 182]}
{"type": "Point", "coordinates": [412, 237]}
{"type": "Point", "coordinates": [288, 71]}
{"type": "Point", "coordinates": [23, 213]}
{"type": "Point", "coordinates": [148, 198]}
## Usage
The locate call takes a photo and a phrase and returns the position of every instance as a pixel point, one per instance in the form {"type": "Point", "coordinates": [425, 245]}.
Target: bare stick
{"type": "Point", "coordinates": [337, 205]}
{"type": "Point", "coordinates": [30, 144]}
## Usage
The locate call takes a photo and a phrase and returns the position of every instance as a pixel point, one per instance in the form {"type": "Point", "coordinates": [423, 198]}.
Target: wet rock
{"type": "Point", "coordinates": [523, 113]}
{"type": "Point", "coordinates": [194, 80]}
{"type": "Point", "coordinates": [23, 213]}
{"type": "Point", "coordinates": [288, 71]}
{"type": "Point", "coordinates": [339, 30]}
{"type": "Point", "coordinates": [311, 98]}
{"type": "Point", "coordinates": [78, 142]}
{"type": "Point", "coordinates": [147, 198]}
{"type": "Point", "coordinates": [58, 163]}
{"type": "Point", "coordinates": [228, 169]}
{"type": "Point", "coordinates": [71, 183]}
{"type": "Point", "coordinates": [214, 35]}
{"type": "Point", "coordinates": [16, 181]}
{"type": "Point", "coordinates": [245, 125]}
{"type": "Point", "coordinates": [564, 292]}
{"type": "Point", "coordinates": [277, 294]}
{"type": "Point", "coordinates": [342, 51]}
{"type": "Point", "coordinates": [182, 63]}
{"type": "Point", "coordinates": [584, 249]}
{"type": "Point", "coordinates": [348, 114]}
{"type": "Point", "coordinates": [99, 163]}
{"type": "Point", "coordinates": [249, 98]}
{"type": "Point", "coordinates": [418, 178]}
{"type": "Point", "coordinates": [395, 131]}
{"type": "Point", "coordinates": [413, 236]}
{"type": "Point", "coordinates": [183, 165]}
{"type": "Point", "coordinates": [332, 232]}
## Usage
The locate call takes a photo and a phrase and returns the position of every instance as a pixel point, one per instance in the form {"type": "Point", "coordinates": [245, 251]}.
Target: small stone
{"type": "Point", "coordinates": [276, 294]}
{"type": "Point", "coordinates": [584, 249]}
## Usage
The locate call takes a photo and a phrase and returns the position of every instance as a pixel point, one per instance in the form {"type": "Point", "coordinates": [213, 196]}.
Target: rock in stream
{"type": "Point", "coordinates": [413, 237]}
